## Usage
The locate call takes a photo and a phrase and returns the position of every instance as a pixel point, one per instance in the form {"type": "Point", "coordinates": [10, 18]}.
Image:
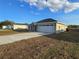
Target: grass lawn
{"type": "Point", "coordinates": [55, 46]}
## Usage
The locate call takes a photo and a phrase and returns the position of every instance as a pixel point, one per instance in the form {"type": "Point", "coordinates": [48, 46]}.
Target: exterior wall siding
{"type": "Point", "coordinates": [20, 27]}
{"type": "Point", "coordinates": [45, 23]}
{"type": "Point", "coordinates": [60, 27]}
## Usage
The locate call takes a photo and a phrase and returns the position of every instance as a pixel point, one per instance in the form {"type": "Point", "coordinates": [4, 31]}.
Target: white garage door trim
{"type": "Point", "coordinates": [49, 29]}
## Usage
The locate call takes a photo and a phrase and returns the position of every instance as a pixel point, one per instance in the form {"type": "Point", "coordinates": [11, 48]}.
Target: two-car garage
{"type": "Point", "coordinates": [49, 29]}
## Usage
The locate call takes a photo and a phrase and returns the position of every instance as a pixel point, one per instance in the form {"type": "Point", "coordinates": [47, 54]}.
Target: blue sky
{"type": "Point", "coordinates": [22, 12]}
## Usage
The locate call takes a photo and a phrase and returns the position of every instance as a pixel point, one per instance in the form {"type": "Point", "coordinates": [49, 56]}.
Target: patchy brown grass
{"type": "Point", "coordinates": [8, 32]}
{"type": "Point", "coordinates": [71, 36]}
{"type": "Point", "coordinates": [54, 46]}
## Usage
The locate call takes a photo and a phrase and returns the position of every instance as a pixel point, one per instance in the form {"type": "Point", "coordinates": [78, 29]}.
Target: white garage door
{"type": "Point", "coordinates": [49, 29]}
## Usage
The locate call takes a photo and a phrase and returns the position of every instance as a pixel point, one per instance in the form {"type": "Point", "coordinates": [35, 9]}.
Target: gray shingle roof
{"type": "Point", "coordinates": [47, 20]}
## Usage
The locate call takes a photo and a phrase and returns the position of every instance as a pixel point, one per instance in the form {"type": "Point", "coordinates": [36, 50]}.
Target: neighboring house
{"type": "Point", "coordinates": [6, 24]}
{"type": "Point", "coordinates": [6, 27]}
{"type": "Point", "coordinates": [20, 26]}
{"type": "Point", "coordinates": [15, 26]}
{"type": "Point", "coordinates": [48, 25]}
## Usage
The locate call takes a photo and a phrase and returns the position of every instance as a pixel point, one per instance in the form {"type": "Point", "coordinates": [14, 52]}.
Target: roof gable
{"type": "Point", "coordinates": [21, 23]}
{"type": "Point", "coordinates": [47, 20]}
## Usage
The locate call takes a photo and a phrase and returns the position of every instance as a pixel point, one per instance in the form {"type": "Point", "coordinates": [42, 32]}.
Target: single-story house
{"type": "Point", "coordinates": [15, 26]}
{"type": "Point", "coordinates": [6, 27]}
{"type": "Point", "coordinates": [48, 25]}
{"type": "Point", "coordinates": [20, 26]}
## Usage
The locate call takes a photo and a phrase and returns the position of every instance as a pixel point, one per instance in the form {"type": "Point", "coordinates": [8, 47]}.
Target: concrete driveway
{"type": "Point", "coordinates": [17, 37]}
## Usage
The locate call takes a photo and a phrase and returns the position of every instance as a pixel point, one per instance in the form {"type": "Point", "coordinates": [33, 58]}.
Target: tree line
{"type": "Point", "coordinates": [73, 26]}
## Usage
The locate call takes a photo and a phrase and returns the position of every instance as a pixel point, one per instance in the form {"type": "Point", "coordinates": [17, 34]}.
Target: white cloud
{"type": "Point", "coordinates": [41, 4]}
{"type": "Point", "coordinates": [31, 2]}
{"type": "Point", "coordinates": [54, 5]}
{"type": "Point", "coordinates": [71, 6]}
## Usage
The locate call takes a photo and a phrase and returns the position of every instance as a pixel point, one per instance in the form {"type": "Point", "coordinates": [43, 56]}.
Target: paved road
{"type": "Point", "coordinates": [18, 37]}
